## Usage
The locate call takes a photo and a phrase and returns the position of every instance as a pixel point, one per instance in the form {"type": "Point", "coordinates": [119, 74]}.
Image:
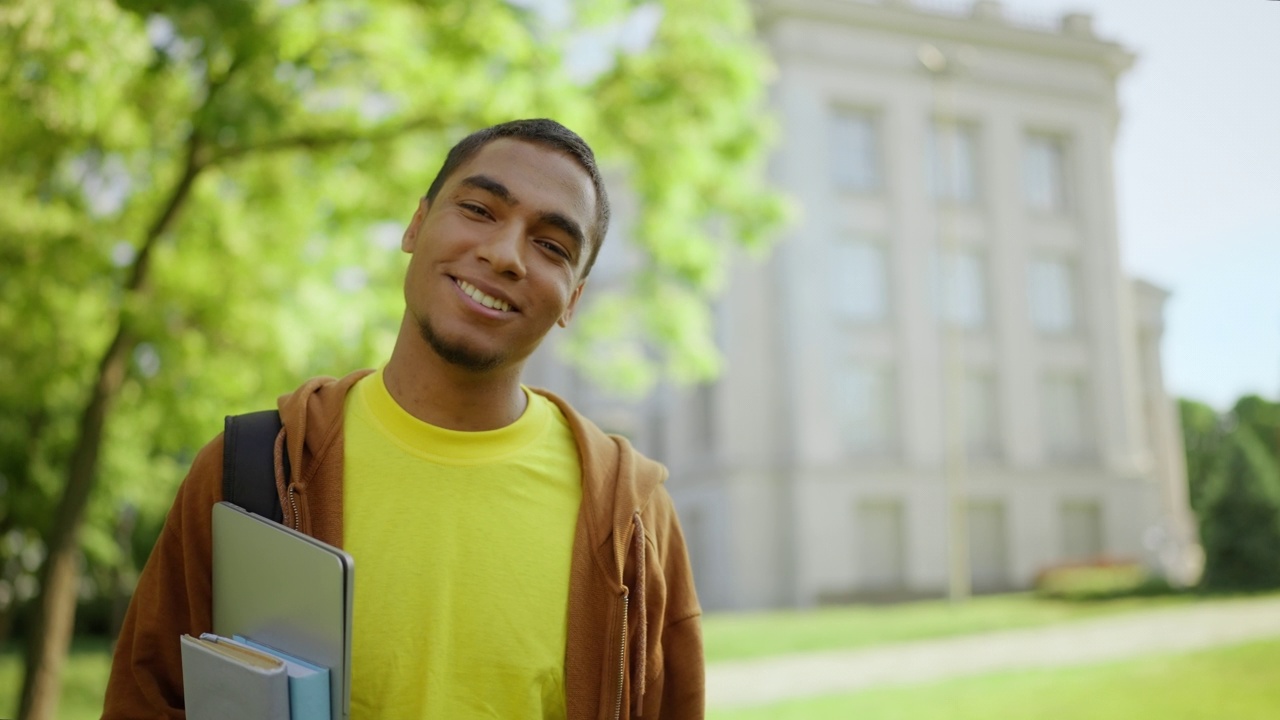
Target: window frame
{"type": "Point", "coordinates": [1059, 198]}
{"type": "Point", "coordinates": [871, 179]}
{"type": "Point", "coordinates": [944, 178]}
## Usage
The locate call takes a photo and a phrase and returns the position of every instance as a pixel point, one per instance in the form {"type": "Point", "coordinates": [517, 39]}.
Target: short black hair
{"type": "Point", "coordinates": [549, 134]}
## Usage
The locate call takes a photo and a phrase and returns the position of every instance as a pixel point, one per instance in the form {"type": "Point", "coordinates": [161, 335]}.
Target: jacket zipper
{"type": "Point", "coordinates": [293, 503]}
{"type": "Point", "coordinates": [622, 654]}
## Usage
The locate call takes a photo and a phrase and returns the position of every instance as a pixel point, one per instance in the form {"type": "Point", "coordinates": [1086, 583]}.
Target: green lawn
{"type": "Point", "coordinates": [732, 636]}
{"type": "Point", "coordinates": [84, 680]}
{"type": "Point", "coordinates": [1235, 683]}
{"type": "Point", "coordinates": [727, 635]}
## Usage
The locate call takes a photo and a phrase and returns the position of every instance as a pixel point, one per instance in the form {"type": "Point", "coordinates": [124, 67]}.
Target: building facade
{"type": "Point", "coordinates": [940, 378]}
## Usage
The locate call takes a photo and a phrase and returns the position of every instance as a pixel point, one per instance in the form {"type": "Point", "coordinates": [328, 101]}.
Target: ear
{"type": "Point", "coordinates": [410, 238]}
{"type": "Point", "coordinates": [573, 303]}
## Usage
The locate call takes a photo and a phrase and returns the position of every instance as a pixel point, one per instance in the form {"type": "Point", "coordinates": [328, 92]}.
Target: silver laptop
{"type": "Point", "coordinates": [287, 590]}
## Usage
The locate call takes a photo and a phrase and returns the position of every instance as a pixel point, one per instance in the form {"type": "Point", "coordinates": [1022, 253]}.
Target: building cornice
{"type": "Point", "coordinates": [901, 17]}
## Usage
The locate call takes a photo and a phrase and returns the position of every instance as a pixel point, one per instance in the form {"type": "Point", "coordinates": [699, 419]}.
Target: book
{"type": "Point", "coordinates": [308, 683]}
{"type": "Point", "coordinates": [224, 681]}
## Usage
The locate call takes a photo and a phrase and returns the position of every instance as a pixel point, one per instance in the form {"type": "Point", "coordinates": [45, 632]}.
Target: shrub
{"type": "Point", "coordinates": [1240, 521]}
{"type": "Point", "coordinates": [1097, 579]}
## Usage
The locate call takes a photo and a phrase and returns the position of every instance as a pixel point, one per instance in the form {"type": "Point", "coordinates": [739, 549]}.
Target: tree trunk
{"type": "Point", "coordinates": [9, 607]}
{"type": "Point", "coordinates": [7, 614]}
{"type": "Point", "coordinates": [49, 638]}
{"type": "Point", "coordinates": [50, 634]}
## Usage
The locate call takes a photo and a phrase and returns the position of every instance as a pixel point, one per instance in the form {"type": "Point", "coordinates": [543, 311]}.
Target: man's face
{"type": "Point", "coordinates": [498, 254]}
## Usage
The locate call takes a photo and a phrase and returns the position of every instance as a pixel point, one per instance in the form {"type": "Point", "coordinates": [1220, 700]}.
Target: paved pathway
{"type": "Point", "coordinates": [787, 677]}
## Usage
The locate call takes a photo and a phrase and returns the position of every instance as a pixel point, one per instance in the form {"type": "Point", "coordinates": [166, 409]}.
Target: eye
{"type": "Point", "coordinates": [475, 209]}
{"type": "Point", "coordinates": [555, 247]}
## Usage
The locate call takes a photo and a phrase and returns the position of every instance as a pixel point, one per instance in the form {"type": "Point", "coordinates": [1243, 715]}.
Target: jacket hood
{"type": "Point", "coordinates": [312, 438]}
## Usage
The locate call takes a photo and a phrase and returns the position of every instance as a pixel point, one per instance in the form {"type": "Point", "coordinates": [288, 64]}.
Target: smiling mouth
{"type": "Point", "coordinates": [488, 301]}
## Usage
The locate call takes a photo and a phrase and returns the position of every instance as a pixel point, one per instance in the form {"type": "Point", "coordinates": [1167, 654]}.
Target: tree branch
{"type": "Point", "coordinates": [190, 171]}
{"type": "Point", "coordinates": [320, 140]}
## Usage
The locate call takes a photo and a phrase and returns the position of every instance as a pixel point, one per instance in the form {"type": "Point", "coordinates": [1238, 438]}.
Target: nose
{"type": "Point", "coordinates": [503, 250]}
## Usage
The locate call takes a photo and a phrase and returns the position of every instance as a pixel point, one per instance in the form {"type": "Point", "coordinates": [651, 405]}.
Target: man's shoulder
{"type": "Point", "coordinates": [581, 425]}
{"type": "Point", "coordinates": [324, 394]}
{"type": "Point", "coordinates": [586, 431]}
{"type": "Point", "coordinates": [612, 466]}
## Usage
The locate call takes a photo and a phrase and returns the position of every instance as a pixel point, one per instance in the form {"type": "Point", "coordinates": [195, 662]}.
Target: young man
{"type": "Point", "coordinates": [513, 560]}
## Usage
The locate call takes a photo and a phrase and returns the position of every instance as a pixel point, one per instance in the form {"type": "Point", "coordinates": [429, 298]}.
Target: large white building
{"type": "Point", "coordinates": [941, 375]}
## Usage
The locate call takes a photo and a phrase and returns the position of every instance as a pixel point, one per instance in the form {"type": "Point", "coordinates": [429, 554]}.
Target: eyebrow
{"type": "Point", "coordinates": [491, 186]}
{"type": "Point", "coordinates": [568, 226]}
{"type": "Point", "coordinates": [500, 191]}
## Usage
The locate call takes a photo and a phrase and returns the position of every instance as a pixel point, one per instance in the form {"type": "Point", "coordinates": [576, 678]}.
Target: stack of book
{"type": "Point", "coordinates": [238, 679]}
{"type": "Point", "coordinates": [280, 646]}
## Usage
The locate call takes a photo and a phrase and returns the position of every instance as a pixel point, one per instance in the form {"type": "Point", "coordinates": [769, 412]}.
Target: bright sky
{"type": "Point", "coordinates": [1198, 178]}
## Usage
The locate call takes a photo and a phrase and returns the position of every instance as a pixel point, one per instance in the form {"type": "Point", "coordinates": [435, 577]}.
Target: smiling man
{"type": "Point", "coordinates": [514, 561]}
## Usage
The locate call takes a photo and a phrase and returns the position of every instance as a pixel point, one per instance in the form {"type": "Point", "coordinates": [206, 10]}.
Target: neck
{"type": "Point", "coordinates": [447, 396]}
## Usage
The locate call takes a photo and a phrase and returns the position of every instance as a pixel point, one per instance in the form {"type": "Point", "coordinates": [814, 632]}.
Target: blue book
{"type": "Point", "coordinates": [308, 684]}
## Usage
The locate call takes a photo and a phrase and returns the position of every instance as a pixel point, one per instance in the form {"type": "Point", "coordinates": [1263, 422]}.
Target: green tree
{"type": "Point", "coordinates": [1262, 417]}
{"type": "Point", "coordinates": [1202, 439]}
{"type": "Point", "coordinates": [199, 203]}
{"type": "Point", "coordinates": [1240, 523]}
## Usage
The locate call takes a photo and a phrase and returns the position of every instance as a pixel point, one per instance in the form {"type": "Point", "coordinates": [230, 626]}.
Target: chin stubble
{"type": "Point", "coordinates": [456, 354]}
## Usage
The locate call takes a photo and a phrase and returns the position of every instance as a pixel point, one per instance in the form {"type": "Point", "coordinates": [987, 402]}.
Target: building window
{"type": "Point", "coordinates": [988, 545]}
{"type": "Point", "coordinates": [1082, 536]}
{"type": "Point", "coordinates": [704, 417]}
{"type": "Point", "coordinates": [693, 524]}
{"type": "Point", "coordinates": [1065, 417]}
{"type": "Point", "coordinates": [953, 158]}
{"type": "Point", "coordinates": [855, 150]}
{"type": "Point", "coordinates": [860, 280]}
{"type": "Point", "coordinates": [960, 295]}
{"type": "Point", "coordinates": [1053, 295]}
{"type": "Point", "coordinates": [981, 425]}
{"type": "Point", "coordinates": [881, 551]}
{"type": "Point", "coordinates": [867, 400]}
{"type": "Point", "coordinates": [656, 440]}
{"type": "Point", "coordinates": [1044, 174]}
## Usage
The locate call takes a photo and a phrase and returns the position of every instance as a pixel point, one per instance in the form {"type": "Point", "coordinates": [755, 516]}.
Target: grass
{"type": "Point", "coordinates": [1236, 682]}
{"type": "Point", "coordinates": [737, 636]}
{"type": "Point", "coordinates": [727, 635]}
{"type": "Point", "coordinates": [84, 680]}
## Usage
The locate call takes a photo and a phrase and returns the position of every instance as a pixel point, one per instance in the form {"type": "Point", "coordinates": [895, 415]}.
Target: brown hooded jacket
{"type": "Point", "coordinates": [628, 556]}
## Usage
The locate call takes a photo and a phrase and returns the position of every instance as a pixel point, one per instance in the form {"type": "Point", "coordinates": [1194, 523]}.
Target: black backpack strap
{"type": "Point", "coordinates": [249, 463]}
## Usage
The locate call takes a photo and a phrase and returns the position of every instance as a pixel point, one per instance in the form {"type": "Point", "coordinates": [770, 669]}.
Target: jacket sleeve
{"type": "Point", "coordinates": [173, 597]}
{"type": "Point", "coordinates": [678, 684]}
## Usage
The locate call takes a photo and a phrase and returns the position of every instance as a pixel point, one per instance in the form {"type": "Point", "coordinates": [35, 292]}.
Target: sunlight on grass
{"type": "Point", "coordinates": [747, 635]}
{"type": "Point", "coordinates": [1236, 683]}
{"type": "Point", "coordinates": [84, 680]}
{"type": "Point", "coordinates": [734, 636]}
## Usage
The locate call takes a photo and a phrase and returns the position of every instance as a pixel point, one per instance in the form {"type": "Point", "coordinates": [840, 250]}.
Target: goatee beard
{"type": "Point", "coordinates": [456, 354]}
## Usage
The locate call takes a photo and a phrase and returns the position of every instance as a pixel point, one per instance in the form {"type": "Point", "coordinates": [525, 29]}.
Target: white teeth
{"type": "Point", "coordinates": [488, 301]}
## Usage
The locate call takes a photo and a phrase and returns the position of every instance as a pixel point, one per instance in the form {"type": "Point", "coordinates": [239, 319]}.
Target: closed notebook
{"type": "Point", "coordinates": [226, 681]}
{"type": "Point", "coordinates": [308, 684]}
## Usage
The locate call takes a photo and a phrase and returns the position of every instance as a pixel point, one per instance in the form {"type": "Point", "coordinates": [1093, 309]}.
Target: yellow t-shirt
{"type": "Point", "coordinates": [462, 543]}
